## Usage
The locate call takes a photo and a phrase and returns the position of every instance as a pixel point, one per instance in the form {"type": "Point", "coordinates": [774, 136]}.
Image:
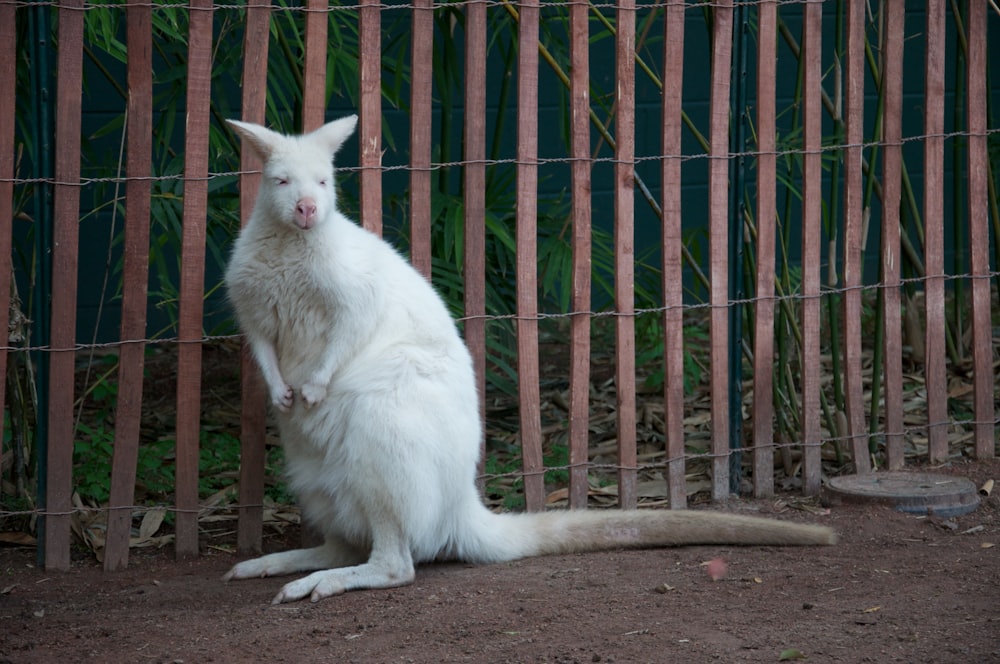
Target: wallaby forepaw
{"type": "Point", "coordinates": [312, 393]}
{"type": "Point", "coordinates": [283, 397]}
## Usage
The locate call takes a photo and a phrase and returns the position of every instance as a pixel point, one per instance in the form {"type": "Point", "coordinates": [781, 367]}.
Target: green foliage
{"type": "Point", "coordinates": [508, 484]}
{"type": "Point", "coordinates": [651, 354]}
{"type": "Point", "coordinates": [106, 53]}
{"type": "Point", "coordinates": [92, 462]}
{"type": "Point", "coordinates": [218, 468]}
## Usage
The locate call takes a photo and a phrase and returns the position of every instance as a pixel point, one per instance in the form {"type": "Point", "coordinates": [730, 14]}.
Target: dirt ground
{"type": "Point", "coordinates": [898, 588]}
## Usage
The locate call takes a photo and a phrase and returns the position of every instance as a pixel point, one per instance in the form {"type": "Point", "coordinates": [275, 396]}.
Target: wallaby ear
{"type": "Point", "coordinates": [260, 139]}
{"type": "Point", "coordinates": [333, 134]}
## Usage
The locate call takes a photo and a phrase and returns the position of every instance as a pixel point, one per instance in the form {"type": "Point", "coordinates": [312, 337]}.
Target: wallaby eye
{"type": "Point", "coordinates": [322, 182]}
{"type": "Point", "coordinates": [281, 181]}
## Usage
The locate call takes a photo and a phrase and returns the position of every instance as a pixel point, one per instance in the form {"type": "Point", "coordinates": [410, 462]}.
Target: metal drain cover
{"type": "Point", "coordinates": [914, 493]}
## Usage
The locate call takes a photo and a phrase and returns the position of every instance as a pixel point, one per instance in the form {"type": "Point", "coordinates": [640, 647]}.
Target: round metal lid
{"type": "Point", "coordinates": [914, 493]}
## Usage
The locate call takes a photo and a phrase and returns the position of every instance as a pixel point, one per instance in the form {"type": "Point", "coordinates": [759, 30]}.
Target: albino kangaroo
{"type": "Point", "coordinates": [377, 404]}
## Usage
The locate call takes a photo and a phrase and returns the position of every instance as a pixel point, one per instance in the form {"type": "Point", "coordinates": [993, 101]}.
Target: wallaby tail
{"type": "Point", "coordinates": [502, 537]}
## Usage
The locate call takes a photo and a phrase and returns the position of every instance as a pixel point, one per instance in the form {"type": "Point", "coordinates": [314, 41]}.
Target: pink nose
{"type": "Point", "coordinates": [305, 213]}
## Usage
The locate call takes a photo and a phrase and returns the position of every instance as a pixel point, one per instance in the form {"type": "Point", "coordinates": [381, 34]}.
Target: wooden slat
{"type": "Point", "coordinates": [313, 116]}
{"type": "Point", "coordinates": [934, 305]}
{"type": "Point", "coordinates": [718, 231]}
{"type": "Point", "coordinates": [579, 350]}
{"type": "Point", "coordinates": [895, 15]}
{"type": "Point", "coordinates": [249, 532]}
{"type": "Point", "coordinates": [526, 257]}
{"type": "Point", "coordinates": [763, 343]}
{"type": "Point", "coordinates": [854, 223]}
{"type": "Point", "coordinates": [370, 122]}
{"type": "Point", "coordinates": [673, 285]}
{"type": "Point", "coordinates": [192, 275]}
{"type": "Point", "coordinates": [474, 199]}
{"type": "Point", "coordinates": [979, 236]}
{"type": "Point", "coordinates": [624, 200]}
{"type": "Point", "coordinates": [8, 43]}
{"type": "Point", "coordinates": [422, 62]}
{"type": "Point", "coordinates": [65, 246]}
{"type": "Point", "coordinates": [812, 219]}
{"type": "Point", "coordinates": [314, 64]}
{"type": "Point", "coordinates": [135, 275]}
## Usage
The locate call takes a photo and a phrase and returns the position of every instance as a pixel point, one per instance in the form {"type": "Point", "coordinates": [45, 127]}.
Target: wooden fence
{"type": "Point", "coordinates": [817, 83]}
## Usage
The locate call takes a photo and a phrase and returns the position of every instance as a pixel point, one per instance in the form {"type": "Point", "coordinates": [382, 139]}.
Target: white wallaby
{"type": "Point", "coordinates": [377, 404]}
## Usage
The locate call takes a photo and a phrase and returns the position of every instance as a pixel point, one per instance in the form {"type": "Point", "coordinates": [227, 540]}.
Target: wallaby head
{"type": "Point", "coordinates": [297, 189]}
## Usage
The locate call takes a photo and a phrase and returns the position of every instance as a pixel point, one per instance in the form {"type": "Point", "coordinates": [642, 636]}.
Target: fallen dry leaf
{"type": "Point", "coordinates": [791, 653]}
{"type": "Point", "coordinates": [17, 539]}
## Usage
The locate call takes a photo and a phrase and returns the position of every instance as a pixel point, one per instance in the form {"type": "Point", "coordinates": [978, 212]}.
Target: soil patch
{"type": "Point", "coordinates": [897, 588]}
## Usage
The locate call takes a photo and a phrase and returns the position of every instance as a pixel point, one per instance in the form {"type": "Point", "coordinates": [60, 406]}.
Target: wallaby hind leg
{"type": "Point", "coordinates": [389, 566]}
{"type": "Point", "coordinates": [332, 553]}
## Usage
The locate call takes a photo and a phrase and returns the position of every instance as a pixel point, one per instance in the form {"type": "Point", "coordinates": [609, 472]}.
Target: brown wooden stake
{"type": "Point", "coordinates": [192, 279]}
{"type": "Point", "coordinates": [763, 342]}
{"type": "Point", "coordinates": [314, 64]}
{"type": "Point", "coordinates": [892, 165]}
{"type": "Point", "coordinates": [249, 533]}
{"type": "Point", "coordinates": [984, 375]}
{"type": "Point", "coordinates": [422, 60]}
{"type": "Point", "coordinates": [474, 199]}
{"type": "Point", "coordinates": [812, 229]}
{"type": "Point", "coordinates": [138, 168]}
{"type": "Point", "coordinates": [624, 196]}
{"type": "Point", "coordinates": [527, 257]}
{"type": "Point", "coordinates": [673, 285]}
{"type": "Point", "coordinates": [854, 224]}
{"type": "Point", "coordinates": [8, 81]}
{"type": "Point", "coordinates": [934, 300]}
{"type": "Point", "coordinates": [579, 369]}
{"type": "Point", "coordinates": [718, 232]}
{"type": "Point", "coordinates": [65, 248]}
{"type": "Point", "coordinates": [370, 123]}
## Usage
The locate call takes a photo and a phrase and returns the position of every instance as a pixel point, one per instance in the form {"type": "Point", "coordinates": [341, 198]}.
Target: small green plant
{"type": "Point", "coordinates": [92, 456]}
{"type": "Point", "coordinates": [507, 484]}
{"type": "Point", "coordinates": [92, 462]}
{"type": "Point", "coordinates": [651, 354]}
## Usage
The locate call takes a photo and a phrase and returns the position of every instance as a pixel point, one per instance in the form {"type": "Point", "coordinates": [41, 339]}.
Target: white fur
{"type": "Point", "coordinates": [376, 401]}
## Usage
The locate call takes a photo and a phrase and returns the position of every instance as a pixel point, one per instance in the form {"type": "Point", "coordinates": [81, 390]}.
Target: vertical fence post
{"type": "Point", "coordinates": [527, 255]}
{"type": "Point", "coordinates": [370, 125]}
{"type": "Point", "coordinates": [979, 235]}
{"type": "Point", "coordinates": [854, 225]}
{"type": "Point", "coordinates": [8, 82]}
{"type": "Point", "coordinates": [422, 64]}
{"type": "Point", "coordinates": [892, 166]}
{"type": "Point", "coordinates": [249, 534]}
{"type": "Point", "coordinates": [313, 114]}
{"type": "Point", "coordinates": [812, 217]}
{"type": "Point", "coordinates": [314, 64]}
{"type": "Point", "coordinates": [763, 341]}
{"type": "Point", "coordinates": [718, 232]}
{"type": "Point", "coordinates": [135, 276]}
{"type": "Point", "coordinates": [192, 278]}
{"type": "Point", "coordinates": [673, 242]}
{"type": "Point", "coordinates": [624, 196]}
{"type": "Point", "coordinates": [474, 199]}
{"type": "Point", "coordinates": [65, 248]}
{"type": "Point", "coordinates": [579, 350]}
{"type": "Point", "coordinates": [934, 297]}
